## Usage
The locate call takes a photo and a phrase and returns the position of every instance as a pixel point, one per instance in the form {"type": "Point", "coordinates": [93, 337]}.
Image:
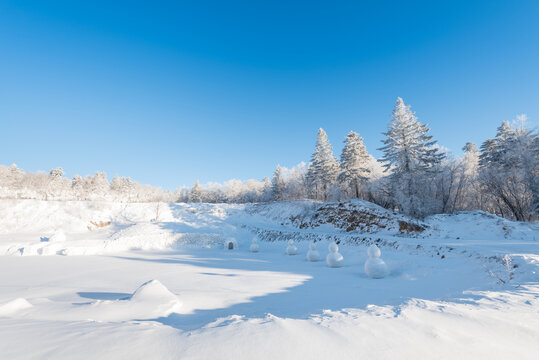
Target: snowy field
{"type": "Point", "coordinates": [83, 280]}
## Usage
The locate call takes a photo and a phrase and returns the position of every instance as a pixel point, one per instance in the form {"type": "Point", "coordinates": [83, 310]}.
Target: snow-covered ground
{"type": "Point", "coordinates": [82, 280]}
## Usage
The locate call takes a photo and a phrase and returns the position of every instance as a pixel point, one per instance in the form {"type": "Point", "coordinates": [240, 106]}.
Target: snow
{"type": "Point", "coordinates": [14, 306]}
{"type": "Point", "coordinates": [291, 249]}
{"type": "Point", "coordinates": [375, 267]}
{"type": "Point", "coordinates": [230, 244]}
{"type": "Point", "coordinates": [138, 288]}
{"type": "Point", "coordinates": [58, 236]}
{"type": "Point", "coordinates": [313, 254]}
{"type": "Point", "coordinates": [254, 248]}
{"type": "Point", "coordinates": [334, 259]}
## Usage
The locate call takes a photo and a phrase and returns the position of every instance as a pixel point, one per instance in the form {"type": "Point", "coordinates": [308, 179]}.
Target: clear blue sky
{"type": "Point", "coordinates": [171, 92]}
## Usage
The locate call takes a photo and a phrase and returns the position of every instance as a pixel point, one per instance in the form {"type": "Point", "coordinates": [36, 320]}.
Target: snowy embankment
{"type": "Point", "coordinates": [164, 287]}
{"type": "Point", "coordinates": [32, 227]}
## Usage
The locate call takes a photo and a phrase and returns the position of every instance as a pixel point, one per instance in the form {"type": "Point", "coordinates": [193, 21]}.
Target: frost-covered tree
{"type": "Point", "coordinates": [509, 171]}
{"type": "Point", "coordinates": [323, 168]}
{"type": "Point", "coordinates": [467, 192]}
{"type": "Point", "coordinates": [278, 187]}
{"type": "Point", "coordinates": [196, 192]}
{"type": "Point", "coordinates": [11, 179]}
{"type": "Point", "coordinates": [77, 187]}
{"type": "Point", "coordinates": [355, 166]}
{"type": "Point", "coordinates": [56, 184]}
{"type": "Point", "coordinates": [124, 189]}
{"type": "Point", "coordinates": [267, 190]}
{"type": "Point", "coordinates": [412, 158]}
{"type": "Point", "coordinates": [295, 180]}
{"type": "Point", "coordinates": [97, 186]}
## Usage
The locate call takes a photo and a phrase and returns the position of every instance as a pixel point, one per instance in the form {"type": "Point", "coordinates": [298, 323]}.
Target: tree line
{"type": "Point", "coordinates": [414, 176]}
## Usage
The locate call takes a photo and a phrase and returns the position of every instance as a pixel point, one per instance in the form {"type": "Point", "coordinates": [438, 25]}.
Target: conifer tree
{"type": "Point", "coordinates": [323, 169]}
{"type": "Point", "coordinates": [196, 193]}
{"type": "Point", "coordinates": [355, 164]}
{"type": "Point", "coordinates": [412, 159]}
{"type": "Point", "coordinates": [277, 185]}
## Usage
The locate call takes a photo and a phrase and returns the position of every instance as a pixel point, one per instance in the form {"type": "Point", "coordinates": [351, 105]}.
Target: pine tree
{"type": "Point", "coordinates": [323, 169]}
{"type": "Point", "coordinates": [355, 164]}
{"type": "Point", "coordinates": [55, 186]}
{"type": "Point", "coordinates": [412, 158]}
{"type": "Point", "coordinates": [278, 185]}
{"type": "Point", "coordinates": [77, 187]}
{"type": "Point", "coordinates": [196, 193]}
{"type": "Point", "coordinates": [266, 189]}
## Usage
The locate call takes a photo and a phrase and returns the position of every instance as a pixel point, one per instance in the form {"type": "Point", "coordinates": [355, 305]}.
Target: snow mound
{"type": "Point", "coordinates": [58, 236]}
{"type": "Point", "coordinates": [150, 300]}
{"type": "Point", "coordinates": [152, 291]}
{"type": "Point", "coordinates": [14, 306]}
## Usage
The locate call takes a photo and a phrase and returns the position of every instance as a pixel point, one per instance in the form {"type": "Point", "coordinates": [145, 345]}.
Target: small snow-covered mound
{"type": "Point", "coordinates": [14, 306]}
{"type": "Point", "coordinates": [149, 301]}
{"type": "Point", "coordinates": [153, 291]}
{"type": "Point", "coordinates": [58, 236]}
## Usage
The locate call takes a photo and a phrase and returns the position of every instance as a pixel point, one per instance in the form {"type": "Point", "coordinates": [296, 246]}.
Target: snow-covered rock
{"type": "Point", "coordinates": [254, 246]}
{"type": "Point", "coordinates": [313, 254]}
{"type": "Point", "coordinates": [291, 249]}
{"type": "Point", "coordinates": [375, 267]}
{"type": "Point", "coordinates": [334, 258]}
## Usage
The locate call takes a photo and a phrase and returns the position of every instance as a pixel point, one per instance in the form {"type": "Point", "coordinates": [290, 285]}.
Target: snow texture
{"type": "Point", "coordinates": [375, 267]}
{"type": "Point", "coordinates": [334, 259]}
{"type": "Point", "coordinates": [313, 254]}
{"type": "Point", "coordinates": [291, 249]}
{"type": "Point", "coordinates": [464, 287]}
{"type": "Point", "coordinates": [254, 248]}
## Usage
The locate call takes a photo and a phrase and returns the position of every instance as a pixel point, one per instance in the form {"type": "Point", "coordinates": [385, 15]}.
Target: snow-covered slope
{"type": "Point", "coordinates": [30, 227]}
{"type": "Point", "coordinates": [163, 285]}
{"type": "Point", "coordinates": [354, 216]}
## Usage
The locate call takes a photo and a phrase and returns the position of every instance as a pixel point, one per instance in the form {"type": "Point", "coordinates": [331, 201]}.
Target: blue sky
{"type": "Point", "coordinates": [171, 92]}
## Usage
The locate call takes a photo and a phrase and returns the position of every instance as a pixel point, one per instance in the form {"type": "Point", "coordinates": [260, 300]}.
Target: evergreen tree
{"type": "Point", "coordinates": [266, 190]}
{"type": "Point", "coordinates": [355, 164]}
{"type": "Point", "coordinates": [323, 169]}
{"type": "Point", "coordinates": [55, 186]}
{"type": "Point", "coordinates": [196, 193]}
{"type": "Point", "coordinates": [277, 185]}
{"type": "Point", "coordinates": [412, 158]}
{"type": "Point", "coordinates": [77, 186]}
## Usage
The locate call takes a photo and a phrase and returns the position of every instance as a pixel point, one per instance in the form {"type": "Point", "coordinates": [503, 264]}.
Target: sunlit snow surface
{"type": "Point", "coordinates": [144, 289]}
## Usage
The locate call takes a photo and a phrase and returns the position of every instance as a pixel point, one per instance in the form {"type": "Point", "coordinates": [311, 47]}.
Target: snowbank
{"type": "Point", "coordinates": [14, 306]}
